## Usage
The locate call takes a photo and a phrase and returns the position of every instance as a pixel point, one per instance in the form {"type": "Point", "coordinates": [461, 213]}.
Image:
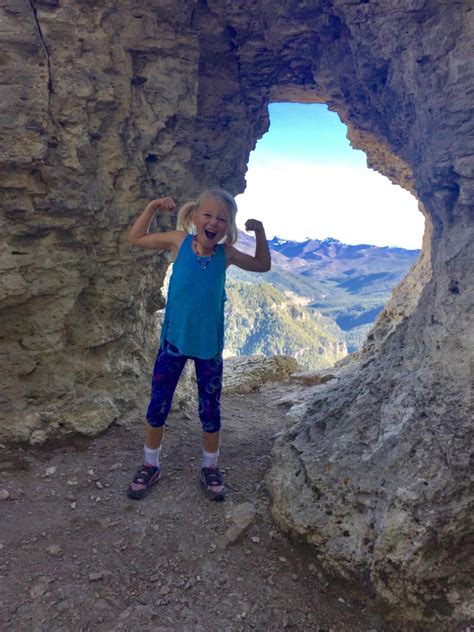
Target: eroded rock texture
{"type": "Point", "coordinates": [107, 104]}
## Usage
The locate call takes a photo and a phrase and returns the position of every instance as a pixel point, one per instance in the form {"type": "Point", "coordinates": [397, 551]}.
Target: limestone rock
{"type": "Point", "coordinates": [378, 500]}
{"type": "Point", "coordinates": [311, 378]}
{"type": "Point", "coordinates": [249, 373]}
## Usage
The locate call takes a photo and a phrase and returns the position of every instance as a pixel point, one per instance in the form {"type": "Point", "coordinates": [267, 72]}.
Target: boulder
{"type": "Point", "coordinates": [246, 374]}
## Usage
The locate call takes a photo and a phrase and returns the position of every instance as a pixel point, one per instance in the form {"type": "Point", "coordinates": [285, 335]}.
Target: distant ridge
{"type": "Point", "coordinates": [352, 267]}
{"type": "Point", "coordinates": [345, 282]}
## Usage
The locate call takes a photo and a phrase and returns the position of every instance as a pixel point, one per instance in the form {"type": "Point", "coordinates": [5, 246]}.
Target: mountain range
{"type": "Point", "coordinates": [347, 284]}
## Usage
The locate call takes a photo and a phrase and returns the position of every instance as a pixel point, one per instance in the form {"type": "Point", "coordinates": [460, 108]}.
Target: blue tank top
{"type": "Point", "coordinates": [194, 316]}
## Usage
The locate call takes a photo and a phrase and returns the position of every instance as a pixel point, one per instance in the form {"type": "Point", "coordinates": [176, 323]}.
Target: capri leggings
{"type": "Point", "coordinates": [168, 367]}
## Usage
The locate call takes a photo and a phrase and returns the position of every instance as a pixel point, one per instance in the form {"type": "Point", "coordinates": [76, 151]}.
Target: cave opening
{"type": "Point", "coordinates": [342, 235]}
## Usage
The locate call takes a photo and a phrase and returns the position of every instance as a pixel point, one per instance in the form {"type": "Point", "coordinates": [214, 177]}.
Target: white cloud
{"type": "Point", "coordinates": [352, 204]}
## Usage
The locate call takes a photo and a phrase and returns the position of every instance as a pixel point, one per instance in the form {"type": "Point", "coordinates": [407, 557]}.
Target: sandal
{"type": "Point", "coordinates": [212, 483]}
{"type": "Point", "coordinates": [144, 479]}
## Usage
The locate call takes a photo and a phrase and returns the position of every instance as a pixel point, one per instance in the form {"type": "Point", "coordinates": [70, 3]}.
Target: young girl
{"type": "Point", "coordinates": [202, 248]}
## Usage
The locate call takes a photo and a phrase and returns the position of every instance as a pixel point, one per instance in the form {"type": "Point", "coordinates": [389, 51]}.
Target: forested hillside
{"type": "Point", "coordinates": [260, 319]}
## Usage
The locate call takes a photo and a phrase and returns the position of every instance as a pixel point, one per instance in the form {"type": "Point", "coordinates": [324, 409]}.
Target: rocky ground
{"type": "Point", "coordinates": [76, 554]}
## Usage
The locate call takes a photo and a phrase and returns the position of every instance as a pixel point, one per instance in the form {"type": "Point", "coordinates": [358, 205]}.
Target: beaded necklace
{"type": "Point", "coordinates": [203, 260]}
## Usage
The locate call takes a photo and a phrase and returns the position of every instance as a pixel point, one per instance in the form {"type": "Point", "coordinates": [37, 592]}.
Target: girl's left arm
{"type": "Point", "coordinates": [261, 261]}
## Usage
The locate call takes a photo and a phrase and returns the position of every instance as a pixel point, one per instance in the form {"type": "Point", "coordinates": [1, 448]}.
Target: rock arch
{"type": "Point", "coordinates": [108, 103]}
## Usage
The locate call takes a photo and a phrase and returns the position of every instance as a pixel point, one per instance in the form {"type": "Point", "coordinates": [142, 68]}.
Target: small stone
{"type": "Point", "coordinates": [341, 600]}
{"type": "Point", "coordinates": [232, 534]}
{"type": "Point", "coordinates": [255, 539]}
{"type": "Point", "coordinates": [282, 559]}
{"type": "Point", "coordinates": [115, 466]}
{"type": "Point", "coordinates": [102, 604]}
{"type": "Point", "coordinates": [72, 505]}
{"type": "Point", "coordinates": [91, 472]}
{"type": "Point", "coordinates": [50, 471]}
{"type": "Point", "coordinates": [4, 494]}
{"type": "Point", "coordinates": [99, 485]}
{"type": "Point", "coordinates": [294, 577]}
{"type": "Point", "coordinates": [37, 436]}
{"type": "Point", "coordinates": [242, 516]}
{"type": "Point", "coordinates": [94, 577]}
{"type": "Point", "coordinates": [165, 590]}
{"type": "Point", "coordinates": [72, 481]}
{"type": "Point", "coordinates": [38, 590]}
{"type": "Point", "coordinates": [54, 549]}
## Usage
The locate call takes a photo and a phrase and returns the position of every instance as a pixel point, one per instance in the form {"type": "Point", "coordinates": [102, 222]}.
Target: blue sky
{"type": "Point", "coordinates": [305, 180]}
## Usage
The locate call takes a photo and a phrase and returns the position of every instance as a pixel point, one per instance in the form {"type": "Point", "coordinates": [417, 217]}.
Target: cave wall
{"type": "Point", "coordinates": [108, 104]}
{"type": "Point", "coordinates": [374, 475]}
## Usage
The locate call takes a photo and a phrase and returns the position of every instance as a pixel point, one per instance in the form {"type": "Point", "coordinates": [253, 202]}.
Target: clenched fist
{"type": "Point", "coordinates": [162, 204]}
{"type": "Point", "coordinates": [254, 225]}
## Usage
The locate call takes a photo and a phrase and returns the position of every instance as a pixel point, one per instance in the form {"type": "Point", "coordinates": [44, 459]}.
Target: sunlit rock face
{"type": "Point", "coordinates": [108, 104]}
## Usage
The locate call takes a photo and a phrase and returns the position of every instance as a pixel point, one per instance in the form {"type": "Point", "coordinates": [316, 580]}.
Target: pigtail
{"type": "Point", "coordinates": [184, 221]}
{"type": "Point", "coordinates": [232, 234]}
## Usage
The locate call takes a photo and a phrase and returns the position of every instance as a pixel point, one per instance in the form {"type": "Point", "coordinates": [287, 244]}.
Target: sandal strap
{"type": "Point", "coordinates": [213, 478]}
{"type": "Point", "coordinates": [143, 475]}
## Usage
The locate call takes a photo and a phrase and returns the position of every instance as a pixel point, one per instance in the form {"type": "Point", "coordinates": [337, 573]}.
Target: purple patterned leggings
{"type": "Point", "coordinates": [168, 367]}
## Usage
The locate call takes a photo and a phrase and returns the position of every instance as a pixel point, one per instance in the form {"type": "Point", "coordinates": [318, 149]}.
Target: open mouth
{"type": "Point", "coordinates": [209, 234]}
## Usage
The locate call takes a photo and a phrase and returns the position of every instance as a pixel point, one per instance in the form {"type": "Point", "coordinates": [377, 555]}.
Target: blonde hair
{"type": "Point", "coordinates": [185, 213]}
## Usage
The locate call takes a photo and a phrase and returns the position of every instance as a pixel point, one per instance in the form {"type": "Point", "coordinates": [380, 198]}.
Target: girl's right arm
{"type": "Point", "coordinates": [140, 236]}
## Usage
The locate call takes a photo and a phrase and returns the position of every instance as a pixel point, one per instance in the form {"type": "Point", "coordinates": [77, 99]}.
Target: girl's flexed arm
{"type": "Point", "coordinates": [261, 261]}
{"type": "Point", "coordinates": [139, 234]}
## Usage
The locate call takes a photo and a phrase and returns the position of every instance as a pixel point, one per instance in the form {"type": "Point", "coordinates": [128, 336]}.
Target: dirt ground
{"type": "Point", "coordinates": [77, 554]}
